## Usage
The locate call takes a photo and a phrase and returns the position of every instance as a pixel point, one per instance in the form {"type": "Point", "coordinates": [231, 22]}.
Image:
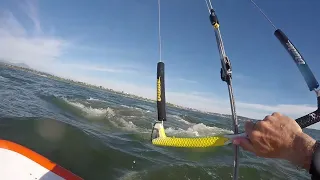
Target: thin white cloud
{"type": "Point", "coordinates": [101, 68]}
{"type": "Point", "coordinates": [17, 46]}
{"type": "Point", "coordinates": [186, 80]}
{"type": "Point", "coordinates": [30, 7]}
{"type": "Point", "coordinates": [222, 105]}
{"type": "Point", "coordinates": [9, 25]}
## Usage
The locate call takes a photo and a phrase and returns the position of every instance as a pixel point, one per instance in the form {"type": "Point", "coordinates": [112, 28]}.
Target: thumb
{"type": "Point", "coordinates": [244, 143]}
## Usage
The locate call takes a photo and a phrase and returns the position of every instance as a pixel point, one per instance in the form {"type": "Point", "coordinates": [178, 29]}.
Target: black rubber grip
{"type": "Point", "coordinates": [161, 97]}
{"type": "Point", "coordinates": [310, 118]}
{"type": "Point", "coordinates": [213, 17]}
{"type": "Point", "coordinates": [281, 36]}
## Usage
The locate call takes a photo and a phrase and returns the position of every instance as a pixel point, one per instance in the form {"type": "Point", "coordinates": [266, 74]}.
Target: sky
{"type": "Point", "coordinates": [115, 44]}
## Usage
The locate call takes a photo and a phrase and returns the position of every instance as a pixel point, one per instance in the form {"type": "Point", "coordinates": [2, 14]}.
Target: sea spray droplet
{"type": "Point", "coordinates": [133, 163]}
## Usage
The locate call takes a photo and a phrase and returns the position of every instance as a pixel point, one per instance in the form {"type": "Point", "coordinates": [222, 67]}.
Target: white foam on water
{"type": "Point", "coordinates": [131, 175]}
{"type": "Point", "coordinates": [42, 75]}
{"type": "Point", "coordinates": [3, 78]}
{"type": "Point", "coordinates": [109, 113]}
{"type": "Point", "coordinates": [92, 111]}
{"type": "Point", "coordinates": [140, 109]}
{"type": "Point", "coordinates": [180, 132]}
{"type": "Point", "coordinates": [178, 118]}
{"type": "Point", "coordinates": [123, 124]}
{"type": "Point", "coordinates": [208, 130]}
{"type": "Point", "coordinates": [191, 130]}
{"type": "Point", "coordinates": [122, 105]}
{"type": "Point", "coordinates": [94, 99]}
{"type": "Point", "coordinates": [136, 108]}
{"type": "Point", "coordinates": [197, 130]}
{"type": "Point", "coordinates": [145, 108]}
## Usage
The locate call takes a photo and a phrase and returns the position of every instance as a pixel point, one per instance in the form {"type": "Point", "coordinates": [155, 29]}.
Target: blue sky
{"type": "Point", "coordinates": [115, 44]}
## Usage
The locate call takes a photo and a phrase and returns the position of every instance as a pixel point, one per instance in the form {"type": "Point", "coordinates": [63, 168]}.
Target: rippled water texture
{"type": "Point", "coordinates": [101, 135]}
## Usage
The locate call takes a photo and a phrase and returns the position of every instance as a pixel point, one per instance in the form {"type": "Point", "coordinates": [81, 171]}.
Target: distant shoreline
{"type": "Point", "coordinates": [83, 84]}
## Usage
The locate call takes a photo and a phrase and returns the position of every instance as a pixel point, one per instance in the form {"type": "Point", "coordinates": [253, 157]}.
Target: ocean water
{"type": "Point", "coordinates": [98, 134]}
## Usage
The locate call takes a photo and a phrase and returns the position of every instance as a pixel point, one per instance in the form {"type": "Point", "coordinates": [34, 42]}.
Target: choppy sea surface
{"type": "Point", "coordinates": [98, 134]}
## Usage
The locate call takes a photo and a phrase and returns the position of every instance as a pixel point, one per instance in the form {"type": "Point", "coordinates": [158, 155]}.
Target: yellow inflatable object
{"type": "Point", "coordinates": [190, 142]}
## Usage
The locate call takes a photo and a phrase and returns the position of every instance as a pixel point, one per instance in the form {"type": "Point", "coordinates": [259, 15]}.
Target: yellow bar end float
{"type": "Point", "coordinates": [160, 138]}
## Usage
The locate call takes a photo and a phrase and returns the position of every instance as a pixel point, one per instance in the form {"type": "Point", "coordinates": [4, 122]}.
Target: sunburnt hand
{"type": "Point", "coordinates": [278, 136]}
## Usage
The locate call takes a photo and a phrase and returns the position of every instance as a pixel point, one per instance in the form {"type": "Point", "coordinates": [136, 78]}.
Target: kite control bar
{"type": "Point", "coordinates": [304, 69]}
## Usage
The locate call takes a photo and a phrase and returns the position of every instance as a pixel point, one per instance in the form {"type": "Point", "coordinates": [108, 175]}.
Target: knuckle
{"type": "Point", "coordinates": [263, 123]}
{"type": "Point", "coordinates": [267, 118]}
{"type": "Point", "coordinates": [277, 114]}
{"type": "Point", "coordinates": [255, 135]}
